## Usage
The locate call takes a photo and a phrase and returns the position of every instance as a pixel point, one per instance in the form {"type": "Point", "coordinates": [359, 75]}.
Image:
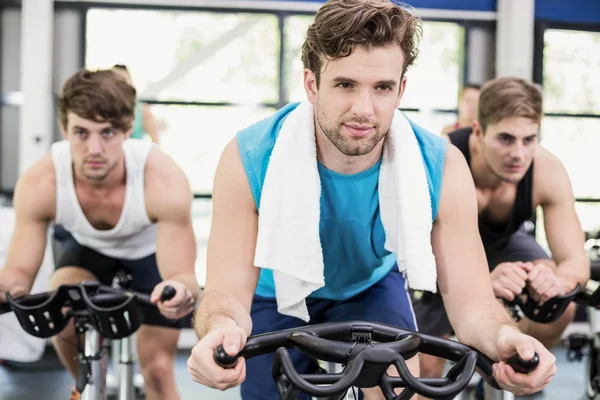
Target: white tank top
{"type": "Point", "coordinates": [134, 236]}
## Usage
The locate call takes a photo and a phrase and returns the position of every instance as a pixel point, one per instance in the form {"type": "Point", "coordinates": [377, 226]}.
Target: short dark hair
{"type": "Point", "coordinates": [509, 97]}
{"type": "Point", "coordinates": [99, 96]}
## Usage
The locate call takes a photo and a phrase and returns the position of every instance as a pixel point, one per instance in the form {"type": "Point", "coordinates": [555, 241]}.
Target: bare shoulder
{"type": "Point", "coordinates": [546, 162]}
{"type": "Point", "coordinates": [550, 178]}
{"type": "Point", "coordinates": [231, 183]}
{"type": "Point", "coordinates": [166, 186]}
{"type": "Point", "coordinates": [35, 191]}
{"type": "Point", "coordinates": [456, 164]}
{"type": "Point", "coordinates": [458, 187]}
{"type": "Point", "coordinates": [161, 168]}
{"type": "Point", "coordinates": [230, 163]}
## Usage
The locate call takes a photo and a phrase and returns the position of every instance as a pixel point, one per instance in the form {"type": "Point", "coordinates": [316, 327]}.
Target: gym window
{"type": "Point", "coordinates": [569, 64]}
{"type": "Point", "coordinates": [209, 73]}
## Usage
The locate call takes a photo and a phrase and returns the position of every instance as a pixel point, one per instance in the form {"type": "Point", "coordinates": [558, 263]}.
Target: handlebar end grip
{"type": "Point", "coordinates": [223, 359]}
{"type": "Point", "coordinates": [168, 293]}
{"type": "Point", "coordinates": [524, 366]}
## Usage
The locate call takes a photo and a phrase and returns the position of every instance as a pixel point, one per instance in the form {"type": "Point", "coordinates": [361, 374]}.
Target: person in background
{"type": "Point", "coordinates": [468, 99]}
{"type": "Point", "coordinates": [144, 122]}
{"type": "Point", "coordinates": [513, 176]}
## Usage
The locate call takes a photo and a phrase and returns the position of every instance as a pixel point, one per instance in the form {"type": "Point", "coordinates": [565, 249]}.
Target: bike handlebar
{"type": "Point", "coordinates": [365, 363]}
{"type": "Point", "coordinates": [115, 313]}
{"type": "Point", "coordinates": [547, 312]}
{"type": "Point", "coordinates": [553, 309]}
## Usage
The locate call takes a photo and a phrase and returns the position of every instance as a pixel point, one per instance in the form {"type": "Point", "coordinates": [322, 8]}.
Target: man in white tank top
{"type": "Point", "coordinates": [124, 205]}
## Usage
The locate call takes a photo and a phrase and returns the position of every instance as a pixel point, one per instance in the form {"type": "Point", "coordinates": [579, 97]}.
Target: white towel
{"type": "Point", "coordinates": [288, 224]}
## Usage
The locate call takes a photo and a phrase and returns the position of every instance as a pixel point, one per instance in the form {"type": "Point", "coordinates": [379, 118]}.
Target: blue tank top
{"type": "Point", "coordinates": [351, 232]}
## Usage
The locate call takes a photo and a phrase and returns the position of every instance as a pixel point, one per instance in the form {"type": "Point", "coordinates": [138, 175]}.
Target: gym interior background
{"type": "Point", "coordinates": [210, 67]}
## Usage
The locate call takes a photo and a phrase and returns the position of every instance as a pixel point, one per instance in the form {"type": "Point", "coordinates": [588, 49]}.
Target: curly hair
{"type": "Point", "coordinates": [341, 25]}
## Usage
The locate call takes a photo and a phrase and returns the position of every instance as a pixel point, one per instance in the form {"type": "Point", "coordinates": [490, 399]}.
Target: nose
{"type": "Point", "coordinates": [518, 151]}
{"type": "Point", "coordinates": [94, 144]}
{"type": "Point", "coordinates": [362, 104]}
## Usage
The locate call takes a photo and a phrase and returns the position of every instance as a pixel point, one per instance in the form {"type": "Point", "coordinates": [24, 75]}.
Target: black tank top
{"type": "Point", "coordinates": [492, 233]}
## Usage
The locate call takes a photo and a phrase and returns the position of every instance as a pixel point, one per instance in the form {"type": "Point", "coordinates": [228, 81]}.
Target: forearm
{"type": "Point", "coordinates": [490, 317]}
{"type": "Point", "coordinates": [573, 271]}
{"type": "Point", "coordinates": [15, 280]}
{"type": "Point", "coordinates": [219, 309]}
{"type": "Point", "coordinates": [190, 282]}
{"type": "Point", "coordinates": [153, 133]}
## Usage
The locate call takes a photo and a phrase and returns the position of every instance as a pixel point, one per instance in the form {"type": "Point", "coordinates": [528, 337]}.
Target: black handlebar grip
{"type": "Point", "coordinates": [223, 359]}
{"type": "Point", "coordinates": [167, 294]}
{"type": "Point", "coordinates": [523, 366]}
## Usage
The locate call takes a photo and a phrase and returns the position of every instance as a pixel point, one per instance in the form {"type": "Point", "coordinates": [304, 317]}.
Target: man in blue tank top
{"type": "Point", "coordinates": [513, 175]}
{"type": "Point", "coordinates": [355, 56]}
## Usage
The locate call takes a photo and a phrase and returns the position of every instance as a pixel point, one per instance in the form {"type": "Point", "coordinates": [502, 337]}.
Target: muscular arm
{"type": "Point", "coordinates": [231, 277]}
{"type": "Point", "coordinates": [169, 203]}
{"type": "Point", "coordinates": [34, 204]}
{"type": "Point", "coordinates": [563, 229]}
{"type": "Point", "coordinates": [463, 276]}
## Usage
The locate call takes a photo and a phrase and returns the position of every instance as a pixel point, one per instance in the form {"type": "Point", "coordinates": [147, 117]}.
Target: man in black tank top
{"type": "Point", "coordinates": [513, 175]}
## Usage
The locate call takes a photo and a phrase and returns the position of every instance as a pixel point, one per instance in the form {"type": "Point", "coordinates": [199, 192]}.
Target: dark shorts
{"type": "Point", "coordinates": [429, 307]}
{"type": "Point", "coordinates": [144, 273]}
{"type": "Point", "coordinates": [386, 302]}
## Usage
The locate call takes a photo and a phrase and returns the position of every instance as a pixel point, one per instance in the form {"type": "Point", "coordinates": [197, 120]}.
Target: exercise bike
{"type": "Point", "coordinates": [365, 363]}
{"type": "Point", "coordinates": [100, 313]}
{"type": "Point", "coordinates": [577, 343]}
{"type": "Point", "coordinates": [525, 305]}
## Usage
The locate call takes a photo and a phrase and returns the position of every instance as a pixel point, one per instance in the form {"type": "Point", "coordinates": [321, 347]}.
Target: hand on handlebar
{"type": "Point", "coordinates": [543, 283]}
{"type": "Point", "coordinates": [180, 305]}
{"type": "Point", "coordinates": [509, 279]}
{"type": "Point", "coordinates": [510, 342]}
{"type": "Point", "coordinates": [202, 365]}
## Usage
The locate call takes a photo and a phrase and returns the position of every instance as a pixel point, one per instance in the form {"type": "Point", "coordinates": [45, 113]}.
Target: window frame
{"type": "Point", "coordinates": [540, 29]}
{"type": "Point", "coordinates": [281, 15]}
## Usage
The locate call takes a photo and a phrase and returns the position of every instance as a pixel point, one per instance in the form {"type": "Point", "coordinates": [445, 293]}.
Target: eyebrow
{"type": "Point", "coordinates": [108, 126]}
{"type": "Point", "coordinates": [386, 82]}
{"type": "Point", "coordinates": [513, 136]}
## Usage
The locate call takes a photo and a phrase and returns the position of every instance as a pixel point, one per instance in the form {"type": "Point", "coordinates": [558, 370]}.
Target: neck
{"type": "Point", "coordinates": [333, 159]}
{"type": "Point", "coordinates": [483, 176]}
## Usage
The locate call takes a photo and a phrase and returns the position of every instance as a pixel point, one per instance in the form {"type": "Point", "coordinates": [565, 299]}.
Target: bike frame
{"type": "Point", "coordinates": [123, 364]}
{"type": "Point", "coordinates": [592, 358]}
{"type": "Point", "coordinates": [489, 393]}
{"type": "Point", "coordinates": [121, 382]}
{"type": "Point", "coordinates": [96, 387]}
{"type": "Point", "coordinates": [92, 307]}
